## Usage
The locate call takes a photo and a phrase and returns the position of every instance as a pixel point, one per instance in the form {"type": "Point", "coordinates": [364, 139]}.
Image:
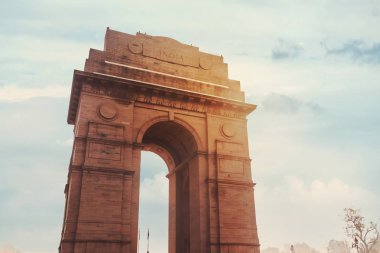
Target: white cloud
{"type": "Point", "coordinates": [155, 190]}
{"type": "Point", "coordinates": [13, 93]}
{"type": "Point", "coordinates": [279, 103]}
{"type": "Point", "coordinates": [43, 50]}
{"type": "Point", "coordinates": [67, 142]}
{"type": "Point", "coordinates": [8, 249]}
{"type": "Point", "coordinates": [286, 50]}
{"type": "Point", "coordinates": [323, 192]}
{"type": "Point", "coordinates": [315, 207]}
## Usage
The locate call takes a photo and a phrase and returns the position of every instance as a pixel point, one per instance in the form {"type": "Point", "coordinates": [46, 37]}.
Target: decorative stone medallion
{"type": "Point", "coordinates": [228, 130]}
{"type": "Point", "coordinates": [205, 63]}
{"type": "Point", "coordinates": [107, 111]}
{"type": "Point", "coordinates": [135, 47]}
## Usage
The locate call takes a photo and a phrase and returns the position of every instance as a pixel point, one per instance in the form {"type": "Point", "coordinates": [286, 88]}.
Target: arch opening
{"type": "Point", "coordinates": [153, 204]}
{"type": "Point", "coordinates": [176, 146]}
{"type": "Point", "coordinates": [172, 137]}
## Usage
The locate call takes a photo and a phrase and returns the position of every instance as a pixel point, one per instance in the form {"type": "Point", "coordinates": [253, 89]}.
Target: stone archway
{"type": "Point", "coordinates": [176, 145]}
{"type": "Point", "coordinates": [153, 93]}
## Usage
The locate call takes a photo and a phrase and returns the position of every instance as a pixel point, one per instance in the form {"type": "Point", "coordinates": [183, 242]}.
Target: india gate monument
{"type": "Point", "coordinates": [152, 93]}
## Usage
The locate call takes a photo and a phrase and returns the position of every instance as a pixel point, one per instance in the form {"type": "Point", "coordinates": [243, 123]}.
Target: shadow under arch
{"type": "Point", "coordinates": [175, 143]}
{"type": "Point", "coordinates": [184, 124]}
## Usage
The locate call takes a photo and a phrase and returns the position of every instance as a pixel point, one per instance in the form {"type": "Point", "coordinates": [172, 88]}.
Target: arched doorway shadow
{"type": "Point", "coordinates": [176, 145]}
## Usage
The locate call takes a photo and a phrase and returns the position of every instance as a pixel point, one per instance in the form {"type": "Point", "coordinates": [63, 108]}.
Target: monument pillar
{"type": "Point", "coordinates": [154, 93]}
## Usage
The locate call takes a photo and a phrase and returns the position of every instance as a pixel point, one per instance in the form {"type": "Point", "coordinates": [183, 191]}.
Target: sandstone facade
{"type": "Point", "coordinates": [153, 93]}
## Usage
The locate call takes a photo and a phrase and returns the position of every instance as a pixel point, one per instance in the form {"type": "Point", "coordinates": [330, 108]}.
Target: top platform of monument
{"type": "Point", "coordinates": [162, 61]}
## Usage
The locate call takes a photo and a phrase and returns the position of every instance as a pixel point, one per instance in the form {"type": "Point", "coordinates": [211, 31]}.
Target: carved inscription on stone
{"type": "Point", "coordinates": [231, 166]}
{"type": "Point", "coordinates": [130, 96]}
{"type": "Point", "coordinates": [188, 58]}
{"type": "Point", "coordinates": [229, 148]}
{"type": "Point", "coordinates": [164, 54]}
{"type": "Point", "coordinates": [115, 92]}
{"type": "Point", "coordinates": [173, 103]}
{"type": "Point", "coordinates": [189, 105]}
{"type": "Point", "coordinates": [104, 131]}
{"type": "Point", "coordinates": [226, 113]}
{"type": "Point", "coordinates": [105, 151]}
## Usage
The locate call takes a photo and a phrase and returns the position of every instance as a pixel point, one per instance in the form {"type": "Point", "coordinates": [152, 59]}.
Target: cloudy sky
{"type": "Point", "coordinates": [312, 67]}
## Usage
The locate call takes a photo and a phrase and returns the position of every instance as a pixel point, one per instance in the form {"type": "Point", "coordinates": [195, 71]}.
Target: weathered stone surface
{"type": "Point", "coordinates": [153, 93]}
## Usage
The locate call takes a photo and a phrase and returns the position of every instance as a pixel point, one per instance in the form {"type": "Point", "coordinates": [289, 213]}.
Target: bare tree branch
{"type": "Point", "coordinates": [366, 236]}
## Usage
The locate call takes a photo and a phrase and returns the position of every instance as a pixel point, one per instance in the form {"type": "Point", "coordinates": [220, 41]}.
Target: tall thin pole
{"type": "Point", "coordinates": [138, 243]}
{"type": "Point", "coordinates": [148, 242]}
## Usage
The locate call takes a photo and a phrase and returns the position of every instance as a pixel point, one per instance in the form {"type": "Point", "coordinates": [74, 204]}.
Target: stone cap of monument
{"type": "Point", "coordinates": [159, 63]}
{"type": "Point", "coordinates": [166, 55]}
{"type": "Point", "coordinates": [143, 55]}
